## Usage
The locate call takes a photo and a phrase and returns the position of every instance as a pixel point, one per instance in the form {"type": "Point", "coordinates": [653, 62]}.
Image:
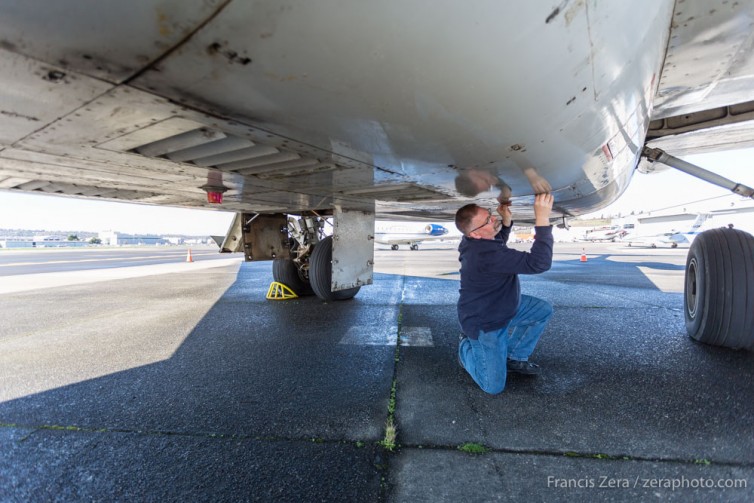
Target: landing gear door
{"type": "Point", "coordinates": [353, 248]}
{"type": "Point", "coordinates": [233, 241]}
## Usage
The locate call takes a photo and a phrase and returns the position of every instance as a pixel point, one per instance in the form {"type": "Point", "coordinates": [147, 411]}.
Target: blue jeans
{"type": "Point", "coordinates": [485, 359]}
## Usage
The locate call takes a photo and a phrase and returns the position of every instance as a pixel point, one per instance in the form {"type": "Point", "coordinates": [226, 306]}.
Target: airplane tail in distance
{"type": "Point", "coordinates": [668, 230]}
{"type": "Point", "coordinates": [697, 224]}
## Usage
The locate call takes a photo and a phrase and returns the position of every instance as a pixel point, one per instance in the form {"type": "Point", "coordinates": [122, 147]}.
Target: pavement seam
{"type": "Point", "coordinates": [188, 434]}
{"type": "Point", "coordinates": [582, 455]}
{"type": "Point", "coordinates": [361, 444]}
{"type": "Point", "coordinates": [621, 297]}
{"type": "Point", "coordinates": [390, 422]}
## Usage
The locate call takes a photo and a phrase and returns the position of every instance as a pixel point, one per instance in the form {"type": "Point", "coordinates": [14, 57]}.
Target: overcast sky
{"type": "Point", "coordinates": [647, 192]}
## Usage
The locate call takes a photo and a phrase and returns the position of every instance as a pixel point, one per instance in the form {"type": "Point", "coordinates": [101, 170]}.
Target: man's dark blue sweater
{"type": "Point", "coordinates": [490, 290]}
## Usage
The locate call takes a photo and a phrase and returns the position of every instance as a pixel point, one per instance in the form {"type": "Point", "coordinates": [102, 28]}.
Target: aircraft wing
{"type": "Point", "coordinates": [703, 103]}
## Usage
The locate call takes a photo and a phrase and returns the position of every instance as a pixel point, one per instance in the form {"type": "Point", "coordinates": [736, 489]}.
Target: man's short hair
{"type": "Point", "coordinates": [464, 216]}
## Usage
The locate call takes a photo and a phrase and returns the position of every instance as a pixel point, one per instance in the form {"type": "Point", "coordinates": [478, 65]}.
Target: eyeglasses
{"type": "Point", "coordinates": [486, 222]}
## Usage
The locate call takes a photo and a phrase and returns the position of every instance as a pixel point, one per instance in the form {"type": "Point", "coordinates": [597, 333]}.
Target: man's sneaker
{"type": "Point", "coordinates": [526, 368]}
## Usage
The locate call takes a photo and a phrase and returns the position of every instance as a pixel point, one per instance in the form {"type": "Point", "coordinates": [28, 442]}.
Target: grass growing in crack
{"type": "Point", "coordinates": [391, 402]}
{"type": "Point", "coordinates": [390, 430]}
{"type": "Point", "coordinates": [472, 448]}
{"type": "Point", "coordinates": [64, 428]}
{"type": "Point", "coordinates": [388, 442]}
{"type": "Point", "coordinates": [572, 454]}
{"type": "Point", "coordinates": [390, 433]}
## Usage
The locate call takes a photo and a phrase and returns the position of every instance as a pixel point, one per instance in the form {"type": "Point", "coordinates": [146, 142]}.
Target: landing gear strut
{"type": "Point", "coordinates": [303, 235]}
{"type": "Point", "coordinates": [309, 270]}
{"type": "Point", "coordinates": [321, 273]}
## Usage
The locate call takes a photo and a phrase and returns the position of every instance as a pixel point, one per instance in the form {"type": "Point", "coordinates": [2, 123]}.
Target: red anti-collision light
{"type": "Point", "coordinates": [214, 197]}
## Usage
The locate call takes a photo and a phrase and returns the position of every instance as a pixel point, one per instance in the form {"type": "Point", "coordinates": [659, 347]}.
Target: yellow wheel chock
{"type": "Point", "coordinates": [279, 291]}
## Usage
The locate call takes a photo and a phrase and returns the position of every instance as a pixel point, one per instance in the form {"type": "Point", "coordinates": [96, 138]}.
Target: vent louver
{"type": "Point", "coordinates": [211, 148]}
{"type": "Point", "coordinates": [195, 143]}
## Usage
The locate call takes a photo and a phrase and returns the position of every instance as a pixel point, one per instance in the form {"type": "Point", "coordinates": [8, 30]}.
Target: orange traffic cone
{"type": "Point", "coordinates": [583, 255]}
{"type": "Point", "coordinates": [188, 256]}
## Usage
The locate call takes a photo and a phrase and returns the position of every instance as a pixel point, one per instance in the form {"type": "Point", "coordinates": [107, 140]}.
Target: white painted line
{"type": "Point", "coordinates": [370, 336]}
{"type": "Point", "coordinates": [385, 335]}
{"type": "Point", "coordinates": [26, 282]}
{"type": "Point", "coordinates": [416, 336]}
{"type": "Point", "coordinates": [177, 257]}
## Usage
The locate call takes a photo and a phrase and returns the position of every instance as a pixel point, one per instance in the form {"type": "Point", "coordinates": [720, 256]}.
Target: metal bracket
{"type": "Point", "coordinates": [564, 224]}
{"type": "Point", "coordinates": [262, 237]}
{"type": "Point", "coordinates": [659, 155]}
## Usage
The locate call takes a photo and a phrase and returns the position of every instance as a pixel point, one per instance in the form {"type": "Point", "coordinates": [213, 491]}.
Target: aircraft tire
{"type": "Point", "coordinates": [394, 247]}
{"type": "Point", "coordinates": [285, 271]}
{"type": "Point", "coordinates": [719, 288]}
{"type": "Point", "coordinates": [320, 273]}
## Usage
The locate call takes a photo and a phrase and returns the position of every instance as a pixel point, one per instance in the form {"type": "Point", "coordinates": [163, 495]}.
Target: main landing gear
{"type": "Point", "coordinates": [719, 283]}
{"type": "Point", "coordinates": [309, 270]}
{"type": "Point", "coordinates": [719, 288]}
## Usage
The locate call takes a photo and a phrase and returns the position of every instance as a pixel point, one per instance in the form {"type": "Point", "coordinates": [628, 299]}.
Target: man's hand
{"type": "Point", "coordinates": [542, 209]}
{"type": "Point", "coordinates": [539, 184]}
{"type": "Point", "coordinates": [504, 210]}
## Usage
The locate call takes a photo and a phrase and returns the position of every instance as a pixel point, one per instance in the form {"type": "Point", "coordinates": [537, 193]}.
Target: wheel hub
{"type": "Point", "coordinates": [691, 288]}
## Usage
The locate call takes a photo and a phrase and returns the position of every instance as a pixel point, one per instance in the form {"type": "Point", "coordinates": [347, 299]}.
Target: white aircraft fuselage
{"type": "Point", "coordinates": [322, 103]}
{"type": "Point", "coordinates": [409, 233]}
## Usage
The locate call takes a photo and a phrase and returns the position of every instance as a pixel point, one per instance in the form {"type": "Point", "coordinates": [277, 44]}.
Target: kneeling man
{"type": "Point", "coordinates": [501, 327]}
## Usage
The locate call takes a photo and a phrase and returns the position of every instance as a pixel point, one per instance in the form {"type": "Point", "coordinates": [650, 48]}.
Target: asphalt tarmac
{"type": "Point", "coordinates": [191, 386]}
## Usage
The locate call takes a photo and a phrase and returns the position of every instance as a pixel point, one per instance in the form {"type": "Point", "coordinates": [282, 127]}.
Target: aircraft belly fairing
{"type": "Point", "coordinates": [337, 109]}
